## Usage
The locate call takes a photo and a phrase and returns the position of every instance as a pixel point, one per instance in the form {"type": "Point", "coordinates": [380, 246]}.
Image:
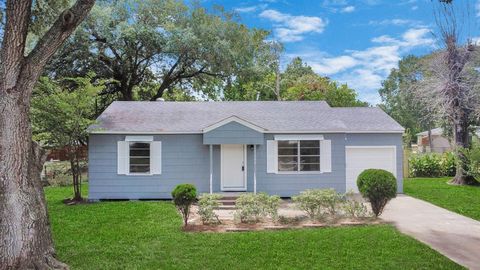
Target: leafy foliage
{"type": "Point", "coordinates": [206, 204]}
{"type": "Point", "coordinates": [378, 186]}
{"type": "Point", "coordinates": [432, 165]}
{"type": "Point", "coordinates": [165, 44]}
{"type": "Point", "coordinates": [472, 159]}
{"type": "Point", "coordinates": [318, 202]}
{"type": "Point", "coordinates": [354, 208]}
{"type": "Point", "coordinates": [298, 82]}
{"type": "Point", "coordinates": [398, 99]}
{"type": "Point", "coordinates": [184, 195]}
{"type": "Point", "coordinates": [253, 207]}
{"type": "Point", "coordinates": [61, 113]}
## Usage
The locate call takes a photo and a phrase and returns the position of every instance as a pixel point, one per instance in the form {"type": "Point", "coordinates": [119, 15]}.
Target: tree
{"type": "Point", "coordinates": [24, 225]}
{"type": "Point", "coordinates": [398, 97]}
{"type": "Point", "coordinates": [177, 46]}
{"type": "Point", "coordinates": [298, 82]}
{"type": "Point", "coordinates": [450, 87]}
{"type": "Point", "coordinates": [315, 87]}
{"type": "Point", "coordinates": [60, 119]}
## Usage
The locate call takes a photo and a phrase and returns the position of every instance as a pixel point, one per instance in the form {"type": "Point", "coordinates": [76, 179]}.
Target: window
{"type": "Point", "coordinates": [299, 156]}
{"type": "Point", "coordinates": [139, 157]}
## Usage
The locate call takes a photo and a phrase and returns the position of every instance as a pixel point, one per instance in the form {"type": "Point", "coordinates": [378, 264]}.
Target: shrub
{"type": "Point", "coordinates": [249, 208]}
{"type": "Point", "coordinates": [378, 186]}
{"type": "Point", "coordinates": [253, 207]}
{"type": "Point", "coordinates": [206, 204]}
{"type": "Point", "coordinates": [317, 202]}
{"type": "Point", "coordinates": [472, 159]}
{"type": "Point", "coordinates": [425, 165]}
{"type": "Point", "coordinates": [330, 200]}
{"type": "Point", "coordinates": [270, 205]}
{"type": "Point", "coordinates": [310, 201]}
{"type": "Point", "coordinates": [184, 195]}
{"type": "Point", "coordinates": [448, 164]}
{"type": "Point", "coordinates": [352, 207]}
{"type": "Point", "coordinates": [432, 165]}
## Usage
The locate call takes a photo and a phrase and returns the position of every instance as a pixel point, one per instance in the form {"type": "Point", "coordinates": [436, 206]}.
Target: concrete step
{"type": "Point", "coordinates": [226, 207]}
{"type": "Point", "coordinates": [226, 202]}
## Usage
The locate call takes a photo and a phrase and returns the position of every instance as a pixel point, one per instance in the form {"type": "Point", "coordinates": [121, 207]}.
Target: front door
{"type": "Point", "coordinates": [233, 167]}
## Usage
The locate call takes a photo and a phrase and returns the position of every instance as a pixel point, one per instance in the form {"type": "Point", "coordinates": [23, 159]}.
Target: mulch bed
{"type": "Point", "coordinates": [232, 226]}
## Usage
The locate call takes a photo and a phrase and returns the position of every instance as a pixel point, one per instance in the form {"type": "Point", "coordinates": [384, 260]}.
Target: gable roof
{"type": "Point", "coordinates": [233, 119]}
{"type": "Point", "coordinates": [159, 117]}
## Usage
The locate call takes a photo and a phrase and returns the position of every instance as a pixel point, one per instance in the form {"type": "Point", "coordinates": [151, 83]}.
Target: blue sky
{"type": "Point", "coordinates": [355, 42]}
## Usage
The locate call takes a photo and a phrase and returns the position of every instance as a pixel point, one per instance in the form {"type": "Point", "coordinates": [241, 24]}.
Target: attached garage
{"type": "Point", "coordinates": [360, 158]}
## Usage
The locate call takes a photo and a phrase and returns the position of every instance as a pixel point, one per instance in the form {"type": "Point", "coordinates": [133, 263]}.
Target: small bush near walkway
{"type": "Point", "coordinates": [378, 187]}
{"type": "Point", "coordinates": [206, 206]}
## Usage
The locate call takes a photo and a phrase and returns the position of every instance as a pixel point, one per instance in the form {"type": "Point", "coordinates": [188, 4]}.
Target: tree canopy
{"type": "Point", "coordinates": [167, 42]}
{"type": "Point", "coordinates": [298, 82]}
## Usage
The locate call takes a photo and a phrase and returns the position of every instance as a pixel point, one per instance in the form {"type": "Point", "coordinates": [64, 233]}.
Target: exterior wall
{"type": "Point", "coordinates": [381, 140]}
{"type": "Point", "coordinates": [233, 133]}
{"type": "Point", "coordinates": [185, 159]}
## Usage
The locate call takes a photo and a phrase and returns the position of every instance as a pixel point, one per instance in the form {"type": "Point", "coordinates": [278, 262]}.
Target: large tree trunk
{"type": "Point", "coordinates": [461, 140]}
{"type": "Point", "coordinates": [26, 241]}
{"type": "Point", "coordinates": [24, 225]}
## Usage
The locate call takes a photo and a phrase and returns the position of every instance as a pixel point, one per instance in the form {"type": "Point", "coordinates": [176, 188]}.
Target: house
{"type": "Point", "coordinates": [142, 150]}
{"type": "Point", "coordinates": [440, 143]}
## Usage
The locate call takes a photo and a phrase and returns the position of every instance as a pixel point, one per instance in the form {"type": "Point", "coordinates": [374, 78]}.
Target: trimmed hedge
{"type": "Point", "coordinates": [432, 165]}
{"type": "Point", "coordinates": [184, 195]}
{"type": "Point", "coordinates": [378, 186]}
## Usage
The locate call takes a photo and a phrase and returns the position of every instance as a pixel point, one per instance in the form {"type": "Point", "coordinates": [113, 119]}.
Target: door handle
{"type": "Point", "coordinates": [243, 168]}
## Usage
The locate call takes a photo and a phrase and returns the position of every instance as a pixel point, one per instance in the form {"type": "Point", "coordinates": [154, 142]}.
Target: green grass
{"type": "Point", "coordinates": [147, 235]}
{"type": "Point", "coordinates": [464, 200]}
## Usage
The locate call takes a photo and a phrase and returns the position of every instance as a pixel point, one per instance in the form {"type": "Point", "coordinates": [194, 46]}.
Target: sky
{"type": "Point", "coordinates": [354, 42]}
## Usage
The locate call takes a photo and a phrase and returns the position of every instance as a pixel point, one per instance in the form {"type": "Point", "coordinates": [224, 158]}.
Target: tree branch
{"type": "Point", "coordinates": [14, 38]}
{"type": "Point", "coordinates": [60, 30]}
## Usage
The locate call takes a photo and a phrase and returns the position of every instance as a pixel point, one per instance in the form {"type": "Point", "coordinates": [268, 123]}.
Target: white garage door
{"type": "Point", "coordinates": [360, 158]}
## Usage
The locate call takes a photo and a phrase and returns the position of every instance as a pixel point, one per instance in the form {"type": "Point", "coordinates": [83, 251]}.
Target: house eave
{"type": "Point", "coordinates": [267, 132]}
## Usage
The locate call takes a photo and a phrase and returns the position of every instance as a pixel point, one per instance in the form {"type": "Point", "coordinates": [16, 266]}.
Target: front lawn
{"type": "Point", "coordinates": [147, 235]}
{"type": "Point", "coordinates": [464, 200]}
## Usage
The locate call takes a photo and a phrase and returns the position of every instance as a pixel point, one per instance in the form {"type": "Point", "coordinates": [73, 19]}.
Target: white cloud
{"type": "Point", "coordinates": [289, 28]}
{"type": "Point", "coordinates": [414, 7]}
{"type": "Point", "coordinates": [250, 8]}
{"type": "Point", "coordinates": [348, 9]}
{"type": "Point", "coordinates": [364, 70]}
{"type": "Point", "coordinates": [395, 22]}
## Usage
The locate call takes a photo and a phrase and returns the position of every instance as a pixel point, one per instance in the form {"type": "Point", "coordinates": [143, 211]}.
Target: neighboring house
{"type": "Point", "coordinates": [440, 143]}
{"type": "Point", "coordinates": [142, 150]}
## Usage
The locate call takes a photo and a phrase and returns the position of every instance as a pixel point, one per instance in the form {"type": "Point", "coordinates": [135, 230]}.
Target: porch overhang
{"type": "Point", "coordinates": [233, 130]}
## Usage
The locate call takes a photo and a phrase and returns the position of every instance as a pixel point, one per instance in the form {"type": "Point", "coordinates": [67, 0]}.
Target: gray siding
{"type": "Point", "coordinates": [185, 159]}
{"type": "Point", "coordinates": [233, 133]}
{"type": "Point", "coordinates": [381, 140]}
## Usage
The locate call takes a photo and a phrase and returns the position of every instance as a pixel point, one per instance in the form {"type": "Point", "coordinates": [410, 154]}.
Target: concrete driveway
{"type": "Point", "coordinates": [453, 235]}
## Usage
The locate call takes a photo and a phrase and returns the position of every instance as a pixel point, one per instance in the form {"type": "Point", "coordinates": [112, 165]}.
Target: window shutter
{"type": "Point", "coordinates": [122, 157]}
{"type": "Point", "coordinates": [156, 157]}
{"type": "Point", "coordinates": [272, 156]}
{"type": "Point", "coordinates": [326, 155]}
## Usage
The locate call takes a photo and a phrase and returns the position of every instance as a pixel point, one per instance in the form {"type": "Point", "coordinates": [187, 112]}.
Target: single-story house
{"type": "Point", "coordinates": [142, 150]}
{"type": "Point", "coordinates": [439, 144]}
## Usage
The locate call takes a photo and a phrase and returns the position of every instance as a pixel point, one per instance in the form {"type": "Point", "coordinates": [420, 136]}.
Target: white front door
{"type": "Point", "coordinates": [233, 167]}
{"type": "Point", "coordinates": [360, 158]}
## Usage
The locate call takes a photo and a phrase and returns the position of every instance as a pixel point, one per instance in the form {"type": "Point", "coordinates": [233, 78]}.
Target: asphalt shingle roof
{"type": "Point", "coordinates": [273, 116]}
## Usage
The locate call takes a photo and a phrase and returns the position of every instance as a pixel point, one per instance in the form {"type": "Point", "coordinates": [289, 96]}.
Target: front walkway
{"type": "Point", "coordinates": [451, 234]}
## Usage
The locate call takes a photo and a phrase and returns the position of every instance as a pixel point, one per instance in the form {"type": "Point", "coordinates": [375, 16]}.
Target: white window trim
{"type": "Point", "coordinates": [306, 137]}
{"type": "Point", "coordinates": [300, 138]}
{"type": "Point", "coordinates": [128, 159]}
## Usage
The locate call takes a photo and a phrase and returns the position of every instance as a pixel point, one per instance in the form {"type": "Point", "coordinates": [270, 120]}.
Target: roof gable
{"type": "Point", "coordinates": [235, 119]}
